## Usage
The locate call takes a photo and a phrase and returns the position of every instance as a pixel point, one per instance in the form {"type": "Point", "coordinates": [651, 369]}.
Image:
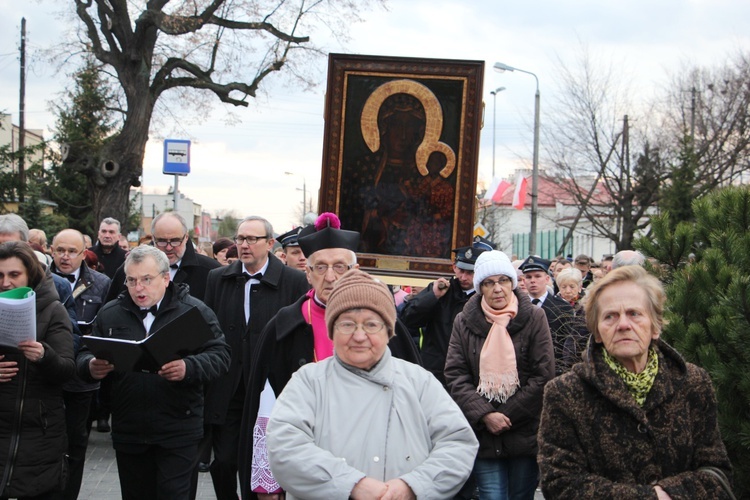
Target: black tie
{"type": "Point", "coordinates": [69, 277]}
{"type": "Point", "coordinates": [535, 301]}
{"type": "Point", "coordinates": [151, 310]}
{"type": "Point", "coordinates": [174, 266]}
{"type": "Point", "coordinates": [256, 276]}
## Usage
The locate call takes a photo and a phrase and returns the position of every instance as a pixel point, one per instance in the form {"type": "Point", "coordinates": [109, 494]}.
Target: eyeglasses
{"type": "Point", "coordinates": [503, 281]}
{"type": "Point", "coordinates": [61, 252]}
{"type": "Point", "coordinates": [349, 327]}
{"type": "Point", "coordinates": [144, 281]}
{"type": "Point", "coordinates": [174, 242]}
{"type": "Point", "coordinates": [321, 269]}
{"type": "Point", "coordinates": [251, 240]}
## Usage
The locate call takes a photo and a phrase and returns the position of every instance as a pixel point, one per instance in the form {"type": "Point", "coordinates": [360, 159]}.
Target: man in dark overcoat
{"type": "Point", "coordinates": [245, 296]}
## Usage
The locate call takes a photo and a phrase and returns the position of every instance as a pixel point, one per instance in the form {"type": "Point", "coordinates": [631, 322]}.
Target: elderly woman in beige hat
{"type": "Point", "coordinates": [363, 424]}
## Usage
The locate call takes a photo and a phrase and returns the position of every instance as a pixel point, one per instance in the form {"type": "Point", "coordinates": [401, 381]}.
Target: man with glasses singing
{"type": "Point", "coordinates": [170, 235]}
{"type": "Point", "coordinates": [298, 335]}
{"type": "Point", "coordinates": [245, 295]}
{"type": "Point", "coordinates": [157, 419]}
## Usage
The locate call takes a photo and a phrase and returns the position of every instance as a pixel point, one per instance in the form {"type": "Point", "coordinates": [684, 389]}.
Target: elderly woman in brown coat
{"type": "Point", "coordinates": [634, 420]}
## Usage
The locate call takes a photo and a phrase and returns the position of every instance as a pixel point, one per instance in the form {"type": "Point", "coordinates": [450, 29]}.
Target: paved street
{"type": "Point", "coordinates": [100, 480]}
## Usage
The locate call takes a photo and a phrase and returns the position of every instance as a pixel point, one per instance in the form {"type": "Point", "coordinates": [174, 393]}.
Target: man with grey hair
{"type": "Point", "coordinates": [628, 258]}
{"type": "Point", "coordinates": [157, 421]}
{"type": "Point", "coordinates": [13, 228]}
{"type": "Point", "coordinates": [245, 295]}
{"type": "Point", "coordinates": [107, 250]}
{"type": "Point", "coordinates": [169, 233]}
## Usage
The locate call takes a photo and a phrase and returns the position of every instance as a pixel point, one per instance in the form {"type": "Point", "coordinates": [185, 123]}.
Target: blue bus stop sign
{"type": "Point", "coordinates": [176, 157]}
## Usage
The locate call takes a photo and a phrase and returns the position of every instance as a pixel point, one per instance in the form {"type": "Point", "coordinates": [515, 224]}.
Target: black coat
{"type": "Point", "coordinates": [225, 293]}
{"type": "Point", "coordinates": [569, 332]}
{"type": "Point", "coordinates": [193, 271]}
{"type": "Point", "coordinates": [147, 409]}
{"type": "Point", "coordinates": [286, 344]}
{"type": "Point", "coordinates": [32, 416]}
{"type": "Point", "coordinates": [436, 317]}
{"type": "Point", "coordinates": [112, 260]}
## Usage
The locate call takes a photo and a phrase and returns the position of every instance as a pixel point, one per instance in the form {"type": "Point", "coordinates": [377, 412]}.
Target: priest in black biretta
{"type": "Point", "coordinates": [326, 233]}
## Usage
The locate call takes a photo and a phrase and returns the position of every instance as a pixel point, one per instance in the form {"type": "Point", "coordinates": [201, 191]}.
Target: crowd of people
{"type": "Point", "coordinates": [317, 380]}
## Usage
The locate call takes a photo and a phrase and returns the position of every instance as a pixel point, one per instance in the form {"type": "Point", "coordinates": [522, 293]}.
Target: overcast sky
{"type": "Point", "coordinates": [241, 166]}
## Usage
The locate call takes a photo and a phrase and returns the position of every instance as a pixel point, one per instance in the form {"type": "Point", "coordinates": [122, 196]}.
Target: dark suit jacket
{"type": "Point", "coordinates": [193, 271]}
{"type": "Point", "coordinates": [225, 293]}
{"type": "Point", "coordinates": [567, 331]}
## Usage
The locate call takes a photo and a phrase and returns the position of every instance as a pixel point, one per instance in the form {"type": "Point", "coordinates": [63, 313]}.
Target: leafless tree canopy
{"type": "Point", "coordinates": [188, 50]}
{"type": "Point", "coordinates": [589, 146]}
{"type": "Point", "coordinates": [709, 105]}
{"type": "Point", "coordinates": [599, 140]}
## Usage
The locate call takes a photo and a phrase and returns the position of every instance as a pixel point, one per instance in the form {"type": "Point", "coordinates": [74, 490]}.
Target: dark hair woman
{"type": "Point", "coordinates": [32, 418]}
{"type": "Point", "coordinates": [633, 420]}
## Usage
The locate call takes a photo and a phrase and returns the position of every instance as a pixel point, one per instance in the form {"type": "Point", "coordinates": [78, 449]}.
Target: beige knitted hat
{"type": "Point", "coordinates": [358, 290]}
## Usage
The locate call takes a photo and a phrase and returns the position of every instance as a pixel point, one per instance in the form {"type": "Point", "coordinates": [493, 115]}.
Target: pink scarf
{"type": "Point", "coordinates": [498, 376]}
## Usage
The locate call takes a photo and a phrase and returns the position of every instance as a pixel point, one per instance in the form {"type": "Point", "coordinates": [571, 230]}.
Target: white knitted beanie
{"type": "Point", "coordinates": [493, 263]}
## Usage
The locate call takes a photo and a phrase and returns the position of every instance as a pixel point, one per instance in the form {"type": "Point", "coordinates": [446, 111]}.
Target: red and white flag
{"type": "Point", "coordinates": [519, 195]}
{"type": "Point", "coordinates": [497, 189]}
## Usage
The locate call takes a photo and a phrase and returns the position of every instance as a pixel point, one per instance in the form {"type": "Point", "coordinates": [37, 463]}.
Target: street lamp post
{"type": "Point", "coordinates": [304, 192]}
{"type": "Point", "coordinates": [494, 120]}
{"type": "Point", "coordinates": [535, 165]}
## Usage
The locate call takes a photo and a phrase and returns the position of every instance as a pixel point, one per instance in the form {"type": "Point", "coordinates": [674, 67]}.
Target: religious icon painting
{"type": "Point", "coordinates": [400, 157]}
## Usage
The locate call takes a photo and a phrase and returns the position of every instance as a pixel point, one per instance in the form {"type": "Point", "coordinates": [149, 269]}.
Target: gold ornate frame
{"type": "Point", "coordinates": [433, 190]}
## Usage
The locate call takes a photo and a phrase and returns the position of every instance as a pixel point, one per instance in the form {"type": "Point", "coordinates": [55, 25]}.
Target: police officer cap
{"type": "Point", "coordinates": [534, 263]}
{"type": "Point", "coordinates": [467, 256]}
{"type": "Point", "coordinates": [289, 239]}
{"type": "Point", "coordinates": [483, 243]}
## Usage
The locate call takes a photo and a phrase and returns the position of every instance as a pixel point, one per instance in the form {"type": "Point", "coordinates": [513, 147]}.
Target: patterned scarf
{"type": "Point", "coordinates": [498, 376]}
{"type": "Point", "coordinates": [638, 384]}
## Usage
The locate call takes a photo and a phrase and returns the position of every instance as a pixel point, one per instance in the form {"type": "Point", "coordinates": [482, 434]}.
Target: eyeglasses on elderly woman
{"type": "Point", "coordinates": [349, 327]}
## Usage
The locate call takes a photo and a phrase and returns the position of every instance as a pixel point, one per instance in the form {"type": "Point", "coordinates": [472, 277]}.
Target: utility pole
{"type": "Point", "coordinates": [22, 116]}
{"type": "Point", "coordinates": [693, 91]}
